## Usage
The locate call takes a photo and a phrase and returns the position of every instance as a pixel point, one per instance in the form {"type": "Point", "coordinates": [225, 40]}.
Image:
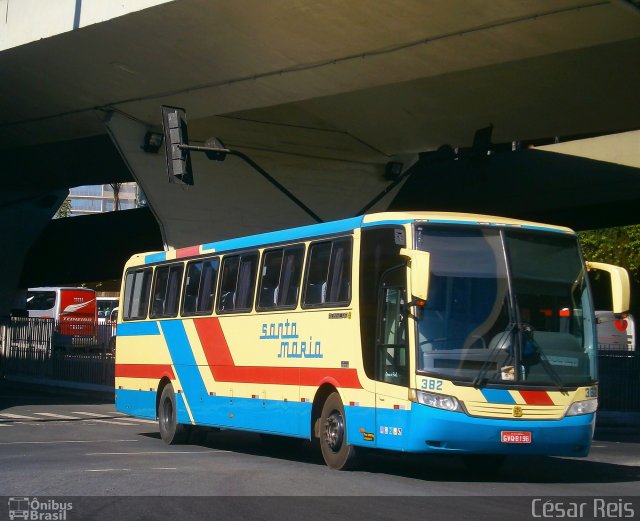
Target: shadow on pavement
{"type": "Point", "coordinates": [445, 468]}
{"type": "Point", "coordinates": [14, 394]}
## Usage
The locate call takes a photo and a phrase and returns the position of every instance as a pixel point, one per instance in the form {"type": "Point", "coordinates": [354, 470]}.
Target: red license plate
{"type": "Point", "coordinates": [516, 437]}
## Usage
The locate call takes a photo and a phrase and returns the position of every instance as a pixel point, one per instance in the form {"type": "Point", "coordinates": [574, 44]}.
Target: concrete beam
{"type": "Point", "coordinates": [621, 149]}
{"type": "Point", "coordinates": [230, 199]}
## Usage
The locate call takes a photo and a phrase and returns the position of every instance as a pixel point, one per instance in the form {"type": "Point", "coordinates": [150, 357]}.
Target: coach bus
{"type": "Point", "coordinates": [73, 310]}
{"type": "Point", "coordinates": [416, 332]}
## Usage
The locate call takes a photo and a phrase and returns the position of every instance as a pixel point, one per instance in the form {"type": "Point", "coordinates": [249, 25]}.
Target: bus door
{"type": "Point", "coordinates": [392, 360]}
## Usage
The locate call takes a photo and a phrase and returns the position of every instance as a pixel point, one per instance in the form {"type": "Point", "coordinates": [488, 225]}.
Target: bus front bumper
{"type": "Point", "coordinates": [436, 430]}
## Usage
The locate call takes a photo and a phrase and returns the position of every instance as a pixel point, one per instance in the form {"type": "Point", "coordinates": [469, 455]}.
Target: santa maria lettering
{"type": "Point", "coordinates": [291, 344]}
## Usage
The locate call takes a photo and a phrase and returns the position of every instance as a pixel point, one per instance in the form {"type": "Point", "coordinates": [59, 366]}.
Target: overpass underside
{"type": "Point", "coordinates": [323, 95]}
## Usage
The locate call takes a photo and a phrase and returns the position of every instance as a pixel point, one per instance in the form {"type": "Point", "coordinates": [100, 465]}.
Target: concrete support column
{"type": "Point", "coordinates": [24, 216]}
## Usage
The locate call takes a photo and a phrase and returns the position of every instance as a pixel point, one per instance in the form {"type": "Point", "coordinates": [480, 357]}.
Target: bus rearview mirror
{"type": "Point", "coordinates": [620, 288]}
{"type": "Point", "coordinates": [419, 272]}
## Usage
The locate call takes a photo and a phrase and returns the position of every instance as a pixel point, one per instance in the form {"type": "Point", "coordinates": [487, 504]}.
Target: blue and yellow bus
{"type": "Point", "coordinates": [417, 332]}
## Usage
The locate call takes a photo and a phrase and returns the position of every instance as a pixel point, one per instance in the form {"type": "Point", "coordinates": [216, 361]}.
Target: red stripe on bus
{"type": "Point", "coordinates": [155, 371]}
{"type": "Point", "coordinates": [223, 367]}
{"type": "Point", "coordinates": [307, 376]}
{"type": "Point", "coordinates": [190, 251]}
{"type": "Point", "coordinates": [213, 342]}
{"type": "Point", "coordinates": [536, 397]}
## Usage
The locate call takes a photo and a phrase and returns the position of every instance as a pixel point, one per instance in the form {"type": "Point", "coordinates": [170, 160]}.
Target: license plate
{"type": "Point", "coordinates": [516, 437]}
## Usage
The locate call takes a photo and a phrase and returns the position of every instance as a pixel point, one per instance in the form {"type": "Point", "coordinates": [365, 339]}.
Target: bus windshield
{"type": "Point", "coordinates": [505, 306]}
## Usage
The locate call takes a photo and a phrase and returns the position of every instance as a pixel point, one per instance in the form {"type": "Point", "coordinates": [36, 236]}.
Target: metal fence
{"type": "Point", "coordinates": [34, 348]}
{"type": "Point", "coordinates": [619, 388]}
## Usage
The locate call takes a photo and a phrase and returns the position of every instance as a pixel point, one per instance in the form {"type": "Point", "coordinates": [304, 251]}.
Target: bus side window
{"type": "Point", "coordinates": [246, 282]}
{"type": "Point", "coordinates": [136, 294]}
{"type": "Point", "coordinates": [317, 272]}
{"type": "Point", "coordinates": [166, 291]}
{"type": "Point", "coordinates": [271, 267]}
{"type": "Point", "coordinates": [289, 284]}
{"type": "Point", "coordinates": [237, 282]}
{"type": "Point", "coordinates": [329, 273]}
{"type": "Point", "coordinates": [339, 289]}
{"type": "Point", "coordinates": [200, 287]}
{"type": "Point", "coordinates": [228, 281]}
{"type": "Point", "coordinates": [280, 278]}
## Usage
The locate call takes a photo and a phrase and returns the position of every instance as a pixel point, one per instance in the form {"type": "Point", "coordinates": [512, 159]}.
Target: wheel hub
{"type": "Point", "coordinates": [334, 431]}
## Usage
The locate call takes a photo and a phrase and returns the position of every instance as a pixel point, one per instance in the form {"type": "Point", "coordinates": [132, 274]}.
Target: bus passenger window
{"type": "Point", "coordinates": [200, 287]}
{"type": "Point", "coordinates": [317, 272]}
{"type": "Point", "coordinates": [271, 266]}
{"type": "Point", "coordinates": [246, 282]}
{"type": "Point", "coordinates": [329, 273]}
{"type": "Point", "coordinates": [289, 284]}
{"type": "Point", "coordinates": [339, 290]}
{"type": "Point", "coordinates": [166, 291]}
{"type": "Point", "coordinates": [136, 294]}
{"type": "Point", "coordinates": [280, 278]}
{"type": "Point", "coordinates": [237, 282]}
{"type": "Point", "coordinates": [228, 281]}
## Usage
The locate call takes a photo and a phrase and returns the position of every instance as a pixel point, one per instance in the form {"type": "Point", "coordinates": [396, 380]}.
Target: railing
{"type": "Point", "coordinates": [34, 348]}
{"type": "Point", "coordinates": [619, 388]}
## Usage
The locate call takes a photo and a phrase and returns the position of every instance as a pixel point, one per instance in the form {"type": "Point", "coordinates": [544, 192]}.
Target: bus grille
{"type": "Point", "coordinates": [529, 412]}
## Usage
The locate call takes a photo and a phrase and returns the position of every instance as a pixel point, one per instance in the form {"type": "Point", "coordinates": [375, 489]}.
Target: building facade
{"type": "Point", "coordinates": [105, 198]}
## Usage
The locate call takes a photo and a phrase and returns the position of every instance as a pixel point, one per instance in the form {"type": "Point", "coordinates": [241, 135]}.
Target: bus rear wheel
{"type": "Point", "coordinates": [171, 432]}
{"type": "Point", "coordinates": [337, 453]}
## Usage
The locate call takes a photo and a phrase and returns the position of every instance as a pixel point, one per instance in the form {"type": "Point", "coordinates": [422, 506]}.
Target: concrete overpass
{"type": "Point", "coordinates": [322, 95]}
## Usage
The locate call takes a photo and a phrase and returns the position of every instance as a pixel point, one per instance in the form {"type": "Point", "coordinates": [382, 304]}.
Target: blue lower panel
{"type": "Point", "coordinates": [252, 414]}
{"type": "Point", "coordinates": [421, 429]}
{"type": "Point", "coordinates": [182, 414]}
{"type": "Point", "coordinates": [425, 429]}
{"type": "Point", "coordinates": [136, 403]}
{"type": "Point", "coordinates": [272, 416]}
{"type": "Point", "coordinates": [361, 425]}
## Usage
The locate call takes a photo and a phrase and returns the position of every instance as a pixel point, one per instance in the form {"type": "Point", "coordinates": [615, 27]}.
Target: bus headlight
{"type": "Point", "coordinates": [584, 407]}
{"type": "Point", "coordinates": [439, 401]}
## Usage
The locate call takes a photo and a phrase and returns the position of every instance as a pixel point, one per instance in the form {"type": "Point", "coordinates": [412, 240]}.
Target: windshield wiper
{"type": "Point", "coordinates": [527, 331]}
{"type": "Point", "coordinates": [506, 335]}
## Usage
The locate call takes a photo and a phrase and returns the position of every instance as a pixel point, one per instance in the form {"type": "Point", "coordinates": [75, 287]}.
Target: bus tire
{"type": "Point", "coordinates": [337, 453]}
{"type": "Point", "coordinates": [171, 432]}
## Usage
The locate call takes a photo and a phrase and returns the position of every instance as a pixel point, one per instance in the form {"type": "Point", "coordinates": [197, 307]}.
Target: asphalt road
{"type": "Point", "coordinates": [59, 446]}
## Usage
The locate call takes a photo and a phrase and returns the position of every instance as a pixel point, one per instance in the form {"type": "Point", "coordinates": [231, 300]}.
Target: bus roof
{"type": "Point", "coordinates": [56, 288]}
{"type": "Point", "coordinates": [340, 226]}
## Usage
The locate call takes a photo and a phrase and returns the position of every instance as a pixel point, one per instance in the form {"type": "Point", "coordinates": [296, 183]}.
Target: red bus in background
{"type": "Point", "coordinates": [74, 310]}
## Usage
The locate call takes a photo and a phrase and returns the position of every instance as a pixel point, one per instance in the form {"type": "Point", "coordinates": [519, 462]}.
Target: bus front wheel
{"type": "Point", "coordinates": [337, 453]}
{"type": "Point", "coordinates": [171, 432]}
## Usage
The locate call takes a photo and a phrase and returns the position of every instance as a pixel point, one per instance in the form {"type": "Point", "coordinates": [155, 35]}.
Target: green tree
{"type": "Point", "coordinates": [64, 210]}
{"type": "Point", "coordinates": [619, 246]}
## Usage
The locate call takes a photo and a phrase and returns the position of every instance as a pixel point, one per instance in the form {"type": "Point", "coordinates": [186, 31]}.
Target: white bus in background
{"type": "Point", "coordinates": [72, 310]}
{"type": "Point", "coordinates": [615, 334]}
{"type": "Point", "coordinates": [105, 306]}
